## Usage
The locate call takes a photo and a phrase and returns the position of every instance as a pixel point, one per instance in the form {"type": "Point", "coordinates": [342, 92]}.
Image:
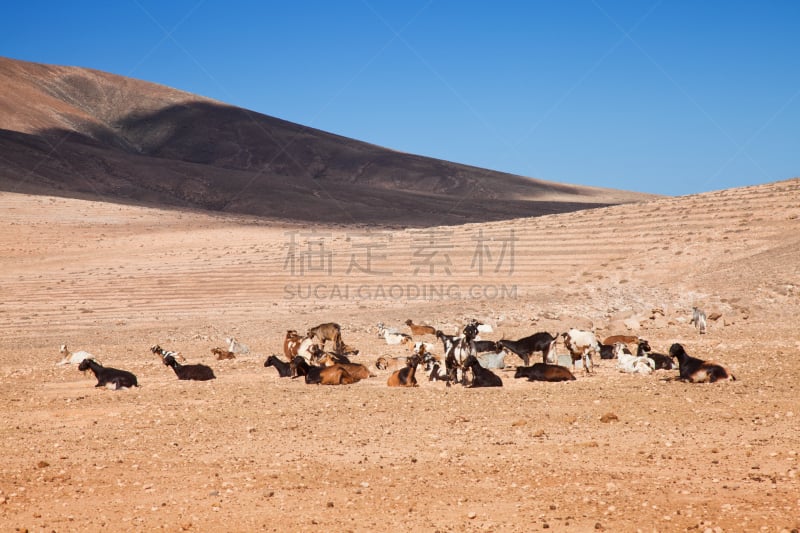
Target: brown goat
{"type": "Point", "coordinates": [330, 331]}
{"type": "Point", "coordinates": [291, 343]}
{"type": "Point", "coordinates": [405, 377]}
{"type": "Point", "coordinates": [335, 375]}
{"type": "Point", "coordinates": [417, 329]}
{"type": "Point", "coordinates": [222, 353]}
{"type": "Point", "coordinates": [630, 340]}
{"type": "Point", "coordinates": [358, 371]}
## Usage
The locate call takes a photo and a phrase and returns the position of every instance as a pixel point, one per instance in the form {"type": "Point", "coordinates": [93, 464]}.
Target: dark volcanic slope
{"type": "Point", "coordinates": [78, 132]}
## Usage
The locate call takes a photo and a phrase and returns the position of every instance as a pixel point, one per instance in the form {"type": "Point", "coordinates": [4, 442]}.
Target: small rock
{"type": "Point", "coordinates": [472, 515]}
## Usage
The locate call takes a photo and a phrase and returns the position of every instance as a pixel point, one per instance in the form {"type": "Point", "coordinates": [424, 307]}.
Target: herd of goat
{"type": "Point", "coordinates": [466, 358]}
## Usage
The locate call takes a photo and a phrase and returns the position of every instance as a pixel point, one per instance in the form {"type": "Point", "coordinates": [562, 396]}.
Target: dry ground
{"type": "Point", "coordinates": [250, 451]}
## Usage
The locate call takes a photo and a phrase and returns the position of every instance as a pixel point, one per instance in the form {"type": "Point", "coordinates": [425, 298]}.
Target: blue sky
{"type": "Point", "coordinates": [670, 97]}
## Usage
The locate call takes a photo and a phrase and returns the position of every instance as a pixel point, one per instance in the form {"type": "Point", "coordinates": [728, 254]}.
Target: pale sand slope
{"type": "Point", "coordinates": [251, 451]}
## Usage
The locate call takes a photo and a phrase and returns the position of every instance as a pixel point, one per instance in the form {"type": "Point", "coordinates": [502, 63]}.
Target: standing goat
{"type": "Point", "coordinates": [457, 350]}
{"type": "Point", "coordinates": [580, 345]}
{"type": "Point", "coordinates": [699, 320]}
{"type": "Point", "coordinates": [525, 347]}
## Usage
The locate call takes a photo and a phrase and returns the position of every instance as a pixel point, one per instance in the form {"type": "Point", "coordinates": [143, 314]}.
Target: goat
{"type": "Point", "coordinates": [538, 342]}
{"type": "Point", "coordinates": [222, 354]}
{"type": "Point", "coordinates": [580, 345]}
{"type": "Point", "coordinates": [190, 372]}
{"type": "Point", "coordinates": [696, 370]}
{"type": "Point", "coordinates": [632, 364]}
{"type": "Point", "coordinates": [424, 346]}
{"type": "Point", "coordinates": [405, 377]}
{"type": "Point", "coordinates": [481, 377]}
{"type": "Point", "coordinates": [698, 319]}
{"type": "Point", "coordinates": [235, 346]}
{"type": "Point", "coordinates": [417, 329]}
{"type": "Point", "coordinates": [109, 376]}
{"type": "Point", "coordinates": [346, 351]}
{"type": "Point", "coordinates": [457, 350]}
{"type": "Point", "coordinates": [334, 375]}
{"type": "Point", "coordinates": [331, 375]}
{"type": "Point", "coordinates": [390, 363]}
{"type": "Point", "coordinates": [544, 372]}
{"type": "Point", "coordinates": [487, 346]}
{"type": "Point", "coordinates": [642, 348]}
{"type": "Point", "coordinates": [662, 362]}
{"type": "Point", "coordinates": [158, 350]}
{"type": "Point", "coordinates": [356, 370]}
{"type": "Point", "coordinates": [436, 376]}
{"type": "Point", "coordinates": [607, 351]}
{"type": "Point", "coordinates": [72, 358]}
{"type": "Point", "coordinates": [631, 340]}
{"type": "Point", "coordinates": [284, 369]}
{"type": "Point", "coordinates": [423, 350]}
{"type": "Point", "coordinates": [391, 335]}
{"type": "Point", "coordinates": [291, 342]}
{"type": "Point", "coordinates": [329, 331]}
{"type": "Point", "coordinates": [331, 358]}
{"type": "Point", "coordinates": [309, 350]}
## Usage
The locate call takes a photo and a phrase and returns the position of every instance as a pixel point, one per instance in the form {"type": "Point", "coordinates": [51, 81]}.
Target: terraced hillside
{"type": "Point", "coordinates": [76, 266]}
{"type": "Point", "coordinates": [251, 451]}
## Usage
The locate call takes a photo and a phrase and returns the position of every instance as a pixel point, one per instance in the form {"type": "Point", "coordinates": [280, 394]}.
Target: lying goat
{"type": "Point", "coordinates": [696, 370]}
{"type": "Point", "coordinates": [107, 376]}
{"type": "Point", "coordinates": [544, 372]}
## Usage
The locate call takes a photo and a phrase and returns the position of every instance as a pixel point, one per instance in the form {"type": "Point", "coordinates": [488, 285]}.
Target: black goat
{"type": "Point", "coordinates": [190, 372]}
{"type": "Point", "coordinates": [284, 369]}
{"type": "Point", "coordinates": [109, 376]}
{"type": "Point", "coordinates": [696, 370]}
{"type": "Point", "coordinates": [480, 376]}
{"type": "Point", "coordinates": [642, 348]}
{"type": "Point", "coordinates": [662, 362]}
{"type": "Point", "coordinates": [524, 348]}
{"type": "Point", "coordinates": [544, 372]}
{"type": "Point", "coordinates": [436, 375]}
{"type": "Point", "coordinates": [487, 346]}
{"type": "Point", "coordinates": [607, 351]}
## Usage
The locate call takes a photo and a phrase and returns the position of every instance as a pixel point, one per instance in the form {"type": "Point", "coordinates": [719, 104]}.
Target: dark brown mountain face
{"type": "Point", "coordinates": [80, 133]}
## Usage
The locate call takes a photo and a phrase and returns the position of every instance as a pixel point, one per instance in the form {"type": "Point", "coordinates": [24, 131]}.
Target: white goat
{"type": "Point", "coordinates": [698, 319]}
{"type": "Point", "coordinates": [236, 346]}
{"type": "Point", "coordinates": [392, 335]}
{"type": "Point", "coordinates": [72, 358]}
{"type": "Point", "coordinates": [580, 345]}
{"type": "Point", "coordinates": [632, 364]}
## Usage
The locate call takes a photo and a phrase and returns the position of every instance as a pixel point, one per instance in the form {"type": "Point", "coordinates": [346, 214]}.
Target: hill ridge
{"type": "Point", "coordinates": [74, 131]}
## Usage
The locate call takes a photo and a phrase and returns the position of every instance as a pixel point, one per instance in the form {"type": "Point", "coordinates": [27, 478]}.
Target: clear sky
{"type": "Point", "coordinates": [671, 96]}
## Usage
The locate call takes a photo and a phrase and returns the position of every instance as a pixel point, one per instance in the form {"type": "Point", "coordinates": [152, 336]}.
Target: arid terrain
{"type": "Point", "coordinates": [250, 451]}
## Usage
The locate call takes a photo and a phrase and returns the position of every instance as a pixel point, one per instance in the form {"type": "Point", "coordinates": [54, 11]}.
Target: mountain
{"type": "Point", "coordinates": [82, 133]}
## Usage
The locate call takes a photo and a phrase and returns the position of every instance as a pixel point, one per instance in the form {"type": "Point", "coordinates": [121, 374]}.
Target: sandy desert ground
{"type": "Point", "coordinates": [250, 451]}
